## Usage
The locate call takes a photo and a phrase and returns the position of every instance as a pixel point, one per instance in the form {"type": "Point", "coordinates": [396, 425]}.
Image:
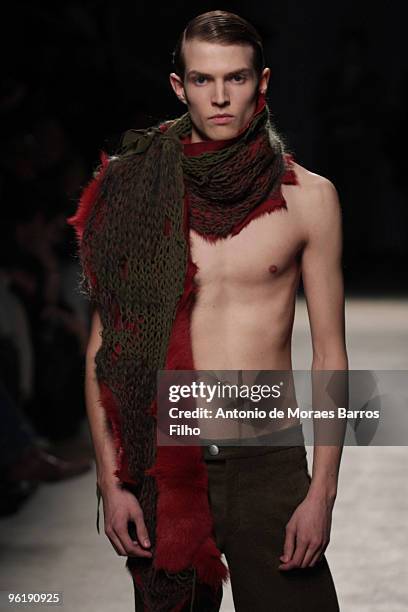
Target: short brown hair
{"type": "Point", "coordinates": [220, 27]}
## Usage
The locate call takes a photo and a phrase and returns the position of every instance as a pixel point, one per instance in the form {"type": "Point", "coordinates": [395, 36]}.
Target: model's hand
{"type": "Point", "coordinates": [119, 507]}
{"type": "Point", "coordinates": [307, 533]}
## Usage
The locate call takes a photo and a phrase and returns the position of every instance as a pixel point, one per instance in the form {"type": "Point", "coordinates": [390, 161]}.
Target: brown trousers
{"type": "Point", "coordinates": [253, 491]}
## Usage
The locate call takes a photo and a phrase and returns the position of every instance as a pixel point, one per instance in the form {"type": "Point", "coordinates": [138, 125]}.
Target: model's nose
{"type": "Point", "coordinates": [220, 95]}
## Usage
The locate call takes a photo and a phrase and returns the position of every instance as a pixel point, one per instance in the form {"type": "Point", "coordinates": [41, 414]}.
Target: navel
{"type": "Point", "coordinates": [273, 269]}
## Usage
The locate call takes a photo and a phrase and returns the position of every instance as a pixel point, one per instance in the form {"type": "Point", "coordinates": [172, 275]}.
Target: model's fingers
{"type": "Point", "coordinates": [289, 545]}
{"type": "Point", "coordinates": [141, 530]}
{"type": "Point", "coordinates": [319, 553]}
{"type": "Point", "coordinates": [309, 555]}
{"type": "Point", "coordinates": [325, 545]}
{"type": "Point", "coordinates": [138, 551]}
{"type": "Point", "coordinates": [114, 540]}
{"type": "Point", "coordinates": [299, 554]}
{"type": "Point", "coordinates": [317, 557]}
{"type": "Point", "coordinates": [131, 548]}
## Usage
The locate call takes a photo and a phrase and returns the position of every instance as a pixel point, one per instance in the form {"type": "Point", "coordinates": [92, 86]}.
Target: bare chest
{"type": "Point", "coordinates": [267, 248]}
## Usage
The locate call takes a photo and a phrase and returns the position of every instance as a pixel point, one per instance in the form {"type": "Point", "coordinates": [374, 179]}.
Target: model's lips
{"type": "Point", "coordinates": [221, 119]}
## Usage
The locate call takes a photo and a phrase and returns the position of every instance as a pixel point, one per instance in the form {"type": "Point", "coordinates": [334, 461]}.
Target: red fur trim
{"type": "Point", "coordinates": [184, 529]}
{"type": "Point", "coordinates": [184, 521]}
{"type": "Point", "coordinates": [289, 178]}
{"type": "Point", "coordinates": [179, 350]}
{"type": "Point", "coordinates": [87, 199]}
{"type": "Point", "coordinates": [212, 573]}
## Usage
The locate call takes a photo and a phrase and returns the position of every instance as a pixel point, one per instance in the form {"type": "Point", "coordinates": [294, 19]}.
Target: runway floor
{"type": "Point", "coordinates": [52, 543]}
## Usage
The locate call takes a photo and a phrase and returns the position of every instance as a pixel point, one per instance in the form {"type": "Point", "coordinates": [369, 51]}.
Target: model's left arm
{"type": "Point", "coordinates": [308, 531]}
{"type": "Point", "coordinates": [323, 286]}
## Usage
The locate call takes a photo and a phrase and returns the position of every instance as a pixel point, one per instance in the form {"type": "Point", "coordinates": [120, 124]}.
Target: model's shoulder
{"type": "Point", "coordinates": [313, 190]}
{"type": "Point", "coordinates": [310, 182]}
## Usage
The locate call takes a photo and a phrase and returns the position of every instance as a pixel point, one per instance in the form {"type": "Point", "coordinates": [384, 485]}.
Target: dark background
{"type": "Point", "coordinates": [77, 73]}
{"type": "Point", "coordinates": [74, 76]}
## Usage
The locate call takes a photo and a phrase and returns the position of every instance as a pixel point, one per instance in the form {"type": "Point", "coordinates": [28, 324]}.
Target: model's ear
{"type": "Point", "coordinates": [178, 87]}
{"type": "Point", "coordinates": [264, 80]}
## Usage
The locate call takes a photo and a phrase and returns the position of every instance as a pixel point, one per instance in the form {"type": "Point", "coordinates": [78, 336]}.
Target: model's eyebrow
{"type": "Point", "coordinates": [243, 71]}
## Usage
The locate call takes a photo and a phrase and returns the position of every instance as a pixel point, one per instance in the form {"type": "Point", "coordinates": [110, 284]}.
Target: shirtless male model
{"type": "Point", "coordinates": [193, 240]}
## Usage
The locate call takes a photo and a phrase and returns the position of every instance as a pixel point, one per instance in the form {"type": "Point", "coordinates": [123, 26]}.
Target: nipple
{"type": "Point", "coordinates": [273, 269]}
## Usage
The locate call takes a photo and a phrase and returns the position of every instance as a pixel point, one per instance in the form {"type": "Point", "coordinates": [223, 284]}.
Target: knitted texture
{"type": "Point", "coordinates": [223, 186]}
{"type": "Point", "coordinates": [134, 259]}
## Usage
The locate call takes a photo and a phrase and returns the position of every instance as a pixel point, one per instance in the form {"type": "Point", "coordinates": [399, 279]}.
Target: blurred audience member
{"type": "Point", "coordinates": [23, 463]}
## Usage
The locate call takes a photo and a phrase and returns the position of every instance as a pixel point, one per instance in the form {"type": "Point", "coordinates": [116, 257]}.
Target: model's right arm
{"type": "Point", "coordinates": [101, 436]}
{"type": "Point", "coordinates": [119, 505]}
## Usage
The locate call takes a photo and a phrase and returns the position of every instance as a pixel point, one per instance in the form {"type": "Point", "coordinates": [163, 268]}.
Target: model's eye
{"type": "Point", "coordinates": [238, 78]}
{"type": "Point", "coordinates": [200, 80]}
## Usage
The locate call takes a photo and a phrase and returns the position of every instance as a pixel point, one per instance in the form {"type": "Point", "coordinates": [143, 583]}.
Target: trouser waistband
{"type": "Point", "coordinates": [269, 443]}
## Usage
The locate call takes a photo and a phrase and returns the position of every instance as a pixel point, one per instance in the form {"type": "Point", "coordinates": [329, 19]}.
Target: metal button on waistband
{"type": "Point", "coordinates": [213, 449]}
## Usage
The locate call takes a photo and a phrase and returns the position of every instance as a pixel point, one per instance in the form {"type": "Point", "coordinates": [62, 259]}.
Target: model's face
{"type": "Point", "coordinates": [220, 88]}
